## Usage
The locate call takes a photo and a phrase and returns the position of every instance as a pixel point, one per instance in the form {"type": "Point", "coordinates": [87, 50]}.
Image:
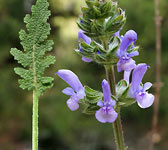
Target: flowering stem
{"type": "Point", "coordinates": [35, 121]}
{"type": "Point", "coordinates": [117, 126]}
{"type": "Point", "coordinates": [111, 78]}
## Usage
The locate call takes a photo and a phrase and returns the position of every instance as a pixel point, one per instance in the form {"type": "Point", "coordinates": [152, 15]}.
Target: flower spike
{"type": "Point", "coordinates": [76, 92]}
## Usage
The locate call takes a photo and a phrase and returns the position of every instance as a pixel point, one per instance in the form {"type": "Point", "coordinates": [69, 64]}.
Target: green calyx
{"type": "Point", "coordinates": [101, 18]}
{"type": "Point", "coordinates": [97, 53]}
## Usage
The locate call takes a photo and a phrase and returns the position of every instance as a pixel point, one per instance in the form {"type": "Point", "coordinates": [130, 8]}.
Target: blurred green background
{"type": "Point", "coordinates": [61, 129]}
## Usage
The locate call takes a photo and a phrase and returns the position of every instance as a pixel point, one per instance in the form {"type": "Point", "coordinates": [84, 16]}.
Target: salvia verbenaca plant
{"type": "Point", "coordinates": [33, 58]}
{"type": "Point", "coordinates": [100, 41]}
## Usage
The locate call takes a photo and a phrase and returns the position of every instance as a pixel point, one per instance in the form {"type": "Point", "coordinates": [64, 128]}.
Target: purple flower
{"type": "Point", "coordinates": [125, 62]}
{"type": "Point", "coordinates": [87, 40]}
{"type": "Point", "coordinates": [106, 113]}
{"type": "Point", "coordinates": [76, 91]}
{"type": "Point", "coordinates": [143, 98]}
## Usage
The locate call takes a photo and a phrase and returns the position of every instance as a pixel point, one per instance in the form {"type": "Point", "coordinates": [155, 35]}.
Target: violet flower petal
{"type": "Point", "coordinates": [137, 76]}
{"type": "Point", "coordinates": [68, 91]}
{"type": "Point", "coordinates": [82, 36]}
{"type": "Point", "coordinates": [125, 64]}
{"type": "Point", "coordinates": [88, 60]}
{"type": "Point", "coordinates": [69, 77]}
{"type": "Point", "coordinates": [72, 104]}
{"type": "Point", "coordinates": [129, 37]}
{"type": "Point", "coordinates": [132, 54]}
{"type": "Point", "coordinates": [80, 94]}
{"type": "Point", "coordinates": [100, 103]}
{"type": "Point", "coordinates": [112, 102]}
{"type": "Point", "coordinates": [127, 76]}
{"type": "Point", "coordinates": [145, 100]}
{"type": "Point", "coordinates": [117, 34]}
{"type": "Point", "coordinates": [104, 117]}
{"type": "Point", "coordinates": [87, 40]}
{"type": "Point", "coordinates": [118, 53]}
{"type": "Point", "coordinates": [147, 86]}
{"type": "Point", "coordinates": [106, 91]}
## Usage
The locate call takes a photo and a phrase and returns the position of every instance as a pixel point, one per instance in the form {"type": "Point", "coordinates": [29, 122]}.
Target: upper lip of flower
{"type": "Point", "coordinates": [129, 38]}
{"type": "Point", "coordinates": [125, 57]}
{"type": "Point", "coordinates": [69, 77]}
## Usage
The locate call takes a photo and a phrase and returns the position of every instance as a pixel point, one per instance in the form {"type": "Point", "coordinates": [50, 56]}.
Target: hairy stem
{"type": "Point", "coordinates": [35, 107]}
{"type": "Point", "coordinates": [35, 121]}
{"type": "Point", "coordinates": [111, 78]}
{"type": "Point", "coordinates": [117, 126]}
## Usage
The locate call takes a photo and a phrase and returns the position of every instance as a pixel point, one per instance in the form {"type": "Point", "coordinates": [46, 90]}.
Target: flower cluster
{"type": "Point", "coordinates": [106, 113]}
{"type": "Point", "coordinates": [76, 92]}
{"type": "Point", "coordinates": [100, 41]}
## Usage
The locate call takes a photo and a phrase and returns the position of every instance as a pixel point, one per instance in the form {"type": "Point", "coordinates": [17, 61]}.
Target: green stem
{"type": "Point", "coordinates": [35, 106]}
{"type": "Point", "coordinates": [111, 78]}
{"type": "Point", "coordinates": [35, 121]}
{"type": "Point", "coordinates": [117, 126]}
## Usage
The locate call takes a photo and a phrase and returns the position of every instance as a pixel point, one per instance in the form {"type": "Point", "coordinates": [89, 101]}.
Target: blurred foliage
{"type": "Point", "coordinates": [60, 128]}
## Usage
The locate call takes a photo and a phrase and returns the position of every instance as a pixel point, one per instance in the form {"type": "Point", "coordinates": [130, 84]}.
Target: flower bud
{"type": "Point", "coordinates": [100, 18]}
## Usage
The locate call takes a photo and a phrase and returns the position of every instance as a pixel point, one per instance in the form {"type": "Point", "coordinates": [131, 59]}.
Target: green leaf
{"type": "Point", "coordinates": [126, 102]}
{"type": "Point", "coordinates": [35, 45]}
{"type": "Point", "coordinates": [121, 87]}
{"type": "Point", "coordinates": [92, 96]}
{"type": "Point", "coordinates": [90, 109]}
{"type": "Point", "coordinates": [89, 103]}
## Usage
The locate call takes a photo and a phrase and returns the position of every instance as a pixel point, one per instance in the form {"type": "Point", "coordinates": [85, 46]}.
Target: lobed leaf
{"type": "Point", "coordinates": [35, 45]}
